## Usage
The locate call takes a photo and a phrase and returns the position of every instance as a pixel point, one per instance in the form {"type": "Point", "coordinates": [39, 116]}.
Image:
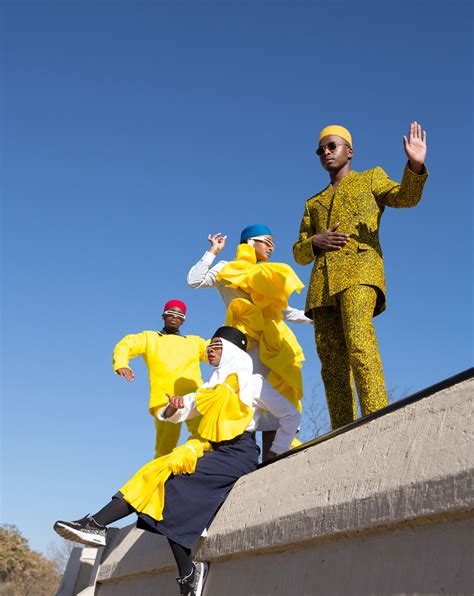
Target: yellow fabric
{"type": "Point", "coordinates": [348, 350]}
{"type": "Point", "coordinates": [145, 491]}
{"type": "Point", "coordinates": [167, 435]}
{"type": "Point", "coordinates": [295, 443]}
{"type": "Point", "coordinates": [269, 286]}
{"type": "Point", "coordinates": [340, 131]}
{"type": "Point", "coordinates": [358, 205]}
{"type": "Point", "coordinates": [224, 416]}
{"type": "Point", "coordinates": [172, 361]}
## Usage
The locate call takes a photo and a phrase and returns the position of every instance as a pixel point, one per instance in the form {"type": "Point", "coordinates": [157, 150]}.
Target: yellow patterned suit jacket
{"type": "Point", "coordinates": [358, 204]}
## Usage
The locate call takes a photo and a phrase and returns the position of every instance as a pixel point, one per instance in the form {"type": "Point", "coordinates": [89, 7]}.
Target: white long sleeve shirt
{"type": "Point", "coordinates": [203, 275]}
{"type": "Point", "coordinates": [263, 397]}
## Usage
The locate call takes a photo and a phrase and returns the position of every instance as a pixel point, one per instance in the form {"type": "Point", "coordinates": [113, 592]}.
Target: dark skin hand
{"type": "Point", "coordinates": [126, 373]}
{"type": "Point", "coordinates": [415, 147]}
{"type": "Point", "coordinates": [176, 402]}
{"type": "Point", "coordinates": [330, 239]}
{"type": "Point", "coordinates": [337, 163]}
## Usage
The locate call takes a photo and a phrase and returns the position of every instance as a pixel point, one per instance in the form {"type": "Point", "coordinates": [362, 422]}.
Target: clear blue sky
{"type": "Point", "coordinates": [131, 130]}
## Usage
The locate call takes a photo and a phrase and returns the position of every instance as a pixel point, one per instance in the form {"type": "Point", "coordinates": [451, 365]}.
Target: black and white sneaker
{"type": "Point", "coordinates": [192, 584]}
{"type": "Point", "coordinates": [86, 531]}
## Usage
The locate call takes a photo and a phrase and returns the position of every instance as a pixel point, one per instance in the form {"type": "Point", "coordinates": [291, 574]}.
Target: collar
{"type": "Point", "coordinates": [164, 332]}
{"type": "Point", "coordinates": [245, 252]}
{"type": "Point", "coordinates": [325, 196]}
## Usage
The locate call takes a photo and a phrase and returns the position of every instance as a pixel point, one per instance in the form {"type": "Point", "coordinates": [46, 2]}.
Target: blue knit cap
{"type": "Point", "coordinates": [254, 230]}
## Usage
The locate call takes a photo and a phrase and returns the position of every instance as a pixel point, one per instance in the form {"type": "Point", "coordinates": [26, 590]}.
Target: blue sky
{"type": "Point", "coordinates": [132, 130]}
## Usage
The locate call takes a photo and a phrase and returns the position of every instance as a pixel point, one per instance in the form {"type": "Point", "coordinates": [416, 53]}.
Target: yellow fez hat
{"type": "Point", "coordinates": [340, 131]}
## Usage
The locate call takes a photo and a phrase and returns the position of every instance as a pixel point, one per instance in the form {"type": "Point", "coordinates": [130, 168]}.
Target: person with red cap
{"type": "Point", "coordinates": [173, 361]}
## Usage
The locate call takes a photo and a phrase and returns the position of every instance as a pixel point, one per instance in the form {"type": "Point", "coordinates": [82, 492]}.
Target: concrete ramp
{"type": "Point", "coordinates": [383, 507]}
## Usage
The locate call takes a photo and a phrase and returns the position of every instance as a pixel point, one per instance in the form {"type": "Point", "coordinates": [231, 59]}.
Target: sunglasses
{"type": "Point", "coordinates": [175, 313]}
{"type": "Point", "coordinates": [265, 241]}
{"type": "Point", "coordinates": [331, 146]}
{"type": "Point", "coordinates": [215, 345]}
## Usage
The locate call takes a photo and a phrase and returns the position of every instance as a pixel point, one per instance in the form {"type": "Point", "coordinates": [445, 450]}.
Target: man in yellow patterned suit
{"type": "Point", "coordinates": [340, 233]}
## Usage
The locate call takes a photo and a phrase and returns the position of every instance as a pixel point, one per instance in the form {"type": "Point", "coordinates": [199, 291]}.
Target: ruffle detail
{"type": "Point", "coordinates": [269, 286]}
{"type": "Point", "coordinates": [145, 491]}
{"type": "Point", "coordinates": [224, 415]}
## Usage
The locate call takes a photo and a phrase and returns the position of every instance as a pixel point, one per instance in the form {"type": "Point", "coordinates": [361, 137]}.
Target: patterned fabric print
{"type": "Point", "coordinates": [335, 365]}
{"type": "Point", "coordinates": [346, 345]}
{"type": "Point", "coordinates": [357, 204]}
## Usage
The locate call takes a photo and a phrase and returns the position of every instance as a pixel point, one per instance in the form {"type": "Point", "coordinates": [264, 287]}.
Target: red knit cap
{"type": "Point", "coordinates": [174, 303]}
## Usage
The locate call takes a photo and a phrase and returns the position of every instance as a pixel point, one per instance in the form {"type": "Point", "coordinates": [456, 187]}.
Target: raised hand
{"type": "Point", "coordinates": [175, 402]}
{"type": "Point", "coordinates": [217, 243]}
{"type": "Point", "coordinates": [330, 239]}
{"type": "Point", "coordinates": [415, 147]}
{"type": "Point", "coordinates": [126, 373]}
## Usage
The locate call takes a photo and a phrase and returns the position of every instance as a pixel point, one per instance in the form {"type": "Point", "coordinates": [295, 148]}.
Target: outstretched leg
{"type": "Point", "coordinates": [90, 530]}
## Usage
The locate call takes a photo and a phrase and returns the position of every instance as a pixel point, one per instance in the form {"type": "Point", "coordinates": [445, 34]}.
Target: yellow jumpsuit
{"type": "Point", "coordinates": [347, 286]}
{"type": "Point", "coordinates": [173, 367]}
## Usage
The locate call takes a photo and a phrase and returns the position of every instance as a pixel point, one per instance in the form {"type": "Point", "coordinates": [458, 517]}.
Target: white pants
{"type": "Point", "coordinates": [280, 414]}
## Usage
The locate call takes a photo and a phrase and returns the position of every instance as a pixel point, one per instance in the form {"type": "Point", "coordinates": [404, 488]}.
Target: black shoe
{"type": "Point", "coordinates": [86, 531]}
{"type": "Point", "coordinates": [192, 584]}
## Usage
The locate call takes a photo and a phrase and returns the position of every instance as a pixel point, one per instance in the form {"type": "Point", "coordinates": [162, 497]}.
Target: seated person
{"type": "Point", "coordinates": [177, 495]}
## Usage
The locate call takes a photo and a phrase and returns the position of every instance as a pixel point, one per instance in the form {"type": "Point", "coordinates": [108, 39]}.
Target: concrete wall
{"type": "Point", "coordinates": [384, 508]}
{"type": "Point", "coordinates": [77, 575]}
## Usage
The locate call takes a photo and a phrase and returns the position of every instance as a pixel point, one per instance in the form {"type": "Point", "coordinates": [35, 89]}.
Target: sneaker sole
{"type": "Point", "coordinates": [78, 536]}
{"type": "Point", "coordinates": [202, 579]}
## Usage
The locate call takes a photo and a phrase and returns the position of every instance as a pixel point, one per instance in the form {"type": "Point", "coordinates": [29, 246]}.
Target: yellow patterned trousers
{"type": "Point", "coordinates": [348, 350]}
{"type": "Point", "coordinates": [167, 434]}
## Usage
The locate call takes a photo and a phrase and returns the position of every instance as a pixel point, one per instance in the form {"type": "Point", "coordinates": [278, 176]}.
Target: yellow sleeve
{"type": "Point", "coordinates": [203, 343]}
{"type": "Point", "coordinates": [303, 247]}
{"type": "Point", "coordinates": [406, 194]}
{"type": "Point", "coordinates": [224, 415]}
{"type": "Point", "coordinates": [128, 347]}
{"type": "Point", "coordinates": [233, 382]}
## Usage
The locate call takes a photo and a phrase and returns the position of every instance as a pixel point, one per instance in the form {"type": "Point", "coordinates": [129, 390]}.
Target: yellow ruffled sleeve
{"type": "Point", "coordinates": [273, 283]}
{"type": "Point", "coordinates": [235, 273]}
{"type": "Point", "coordinates": [224, 415]}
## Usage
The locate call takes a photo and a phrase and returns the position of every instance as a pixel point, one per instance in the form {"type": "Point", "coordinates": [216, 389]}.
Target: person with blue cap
{"type": "Point", "coordinates": [255, 294]}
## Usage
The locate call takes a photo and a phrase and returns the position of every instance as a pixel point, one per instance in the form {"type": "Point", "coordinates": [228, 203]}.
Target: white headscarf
{"type": "Point", "coordinates": [234, 361]}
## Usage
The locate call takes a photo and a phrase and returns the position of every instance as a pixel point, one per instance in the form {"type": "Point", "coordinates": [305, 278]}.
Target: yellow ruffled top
{"type": "Point", "coordinates": [224, 417]}
{"type": "Point", "coordinates": [268, 285]}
